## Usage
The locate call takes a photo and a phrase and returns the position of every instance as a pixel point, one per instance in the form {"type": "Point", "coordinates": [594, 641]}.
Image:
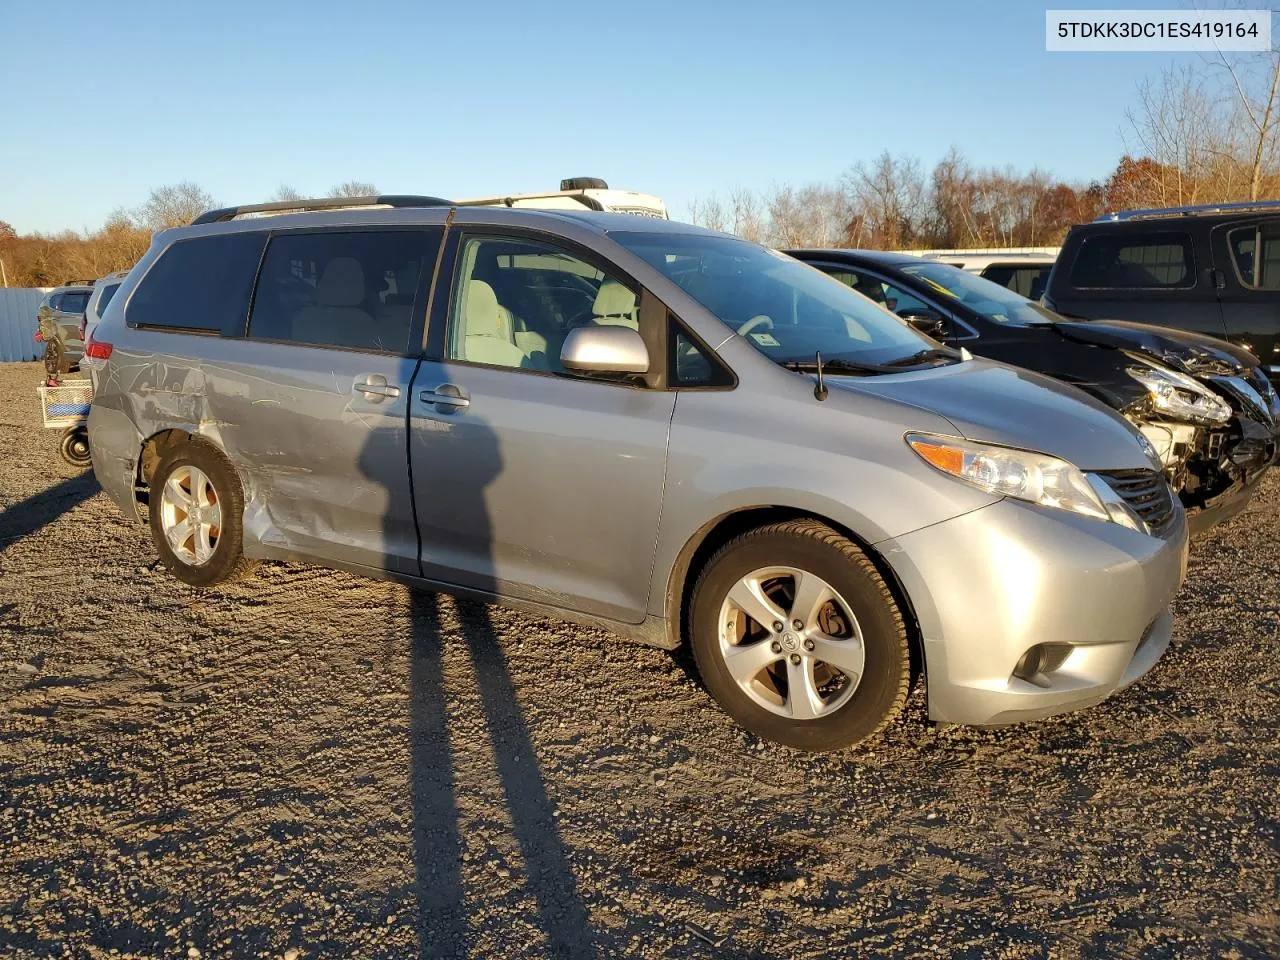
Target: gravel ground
{"type": "Point", "coordinates": [308, 764]}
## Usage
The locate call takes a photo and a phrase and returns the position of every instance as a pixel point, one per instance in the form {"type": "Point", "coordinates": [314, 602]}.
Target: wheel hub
{"type": "Point", "coordinates": [791, 642]}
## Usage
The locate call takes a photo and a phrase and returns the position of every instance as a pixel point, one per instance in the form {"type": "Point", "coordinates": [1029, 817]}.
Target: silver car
{"type": "Point", "coordinates": [669, 432]}
{"type": "Point", "coordinates": [59, 318]}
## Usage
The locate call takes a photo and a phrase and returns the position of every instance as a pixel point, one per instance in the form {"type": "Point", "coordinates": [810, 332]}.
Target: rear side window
{"type": "Point", "coordinates": [1156, 260]}
{"type": "Point", "coordinates": [1026, 281]}
{"type": "Point", "coordinates": [1257, 269]}
{"type": "Point", "coordinates": [200, 284]}
{"type": "Point", "coordinates": [107, 294]}
{"type": "Point", "coordinates": [73, 302]}
{"type": "Point", "coordinates": [352, 290]}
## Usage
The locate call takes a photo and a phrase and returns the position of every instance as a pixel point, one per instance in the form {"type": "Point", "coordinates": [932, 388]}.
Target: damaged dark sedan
{"type": "Point", "coordinates": [1206, 406]}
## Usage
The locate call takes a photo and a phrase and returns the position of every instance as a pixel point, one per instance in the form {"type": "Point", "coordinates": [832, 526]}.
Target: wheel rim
{"type": "Point", "coordinates": [791, 642]}
{"type": "Point", "coordinates": [190, 515]}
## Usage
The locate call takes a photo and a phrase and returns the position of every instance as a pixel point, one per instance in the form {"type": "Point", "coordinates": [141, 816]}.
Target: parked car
{"type": "Point", "coordinates": [638, 424]}
{"type": "Point", "coordinates": [1213, 270]}
{"type": "Point", "coordinates": [1025, 273]}
{"type": "Point", "coordinates": [103, 290]}
{"type": "Point", "coordinates": [58, 325]}
{"type": "Point", "coordinates": [1216, 433]}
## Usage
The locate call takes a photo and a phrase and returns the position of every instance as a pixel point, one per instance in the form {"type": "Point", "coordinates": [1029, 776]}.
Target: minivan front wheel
{"type": "Point", "coordinates": [798, 637]}
{"type": "Point", "coordinates": [196, 514]}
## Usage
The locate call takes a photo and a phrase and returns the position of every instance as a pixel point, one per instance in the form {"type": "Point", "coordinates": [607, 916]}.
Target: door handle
{"type": "Point", "coordinates": [446, 395]}
{"type": "Point", "coordinates": [375, 388]}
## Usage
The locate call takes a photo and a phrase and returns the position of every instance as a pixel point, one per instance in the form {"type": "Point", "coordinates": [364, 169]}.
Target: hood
{"type": "Point", "coordinates": [996, 403]}
{"type": "Point", "coordinates": [1194, 353]}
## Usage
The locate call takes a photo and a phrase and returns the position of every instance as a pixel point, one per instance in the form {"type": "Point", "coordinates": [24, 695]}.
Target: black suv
{"type": "Point", "coordinates": [1209, 269]}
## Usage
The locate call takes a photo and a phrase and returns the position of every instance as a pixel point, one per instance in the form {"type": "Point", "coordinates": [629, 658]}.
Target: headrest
{"type": "Point", "coordinates": [484, 318]}
{"type": "Point", "coordinates": [614, 300]}
{"type": "Point", "coordinates": [341, 284]}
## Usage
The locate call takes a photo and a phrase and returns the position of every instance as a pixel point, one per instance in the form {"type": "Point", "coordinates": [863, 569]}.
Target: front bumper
{"type": "Point", "coordinates": [990, 586]}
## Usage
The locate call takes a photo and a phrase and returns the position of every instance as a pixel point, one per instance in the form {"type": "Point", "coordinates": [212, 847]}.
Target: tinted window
{"type": "Point", "coordinates": [1262, 271]}
{"type": "Point", "coordinates": [199, 284]}
{"type": "Point", "coordinates": [353, 290]}
{"type": "Point", "coordinates": [1130, 262]}
{"type": "Point", "coordinates": [73, 302]}
{"type": "Point", "coordinates": [107, 293]}
{"type": "Point", "coordinates": [516, 301]}
{"type": "Point", "coordinates": [1026, 281]}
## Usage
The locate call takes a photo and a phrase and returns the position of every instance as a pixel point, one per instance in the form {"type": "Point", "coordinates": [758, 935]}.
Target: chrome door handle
{"type": "Point", "coordinates": [446, 395]}
{"type": "Point", "coordinates": [377, 387]}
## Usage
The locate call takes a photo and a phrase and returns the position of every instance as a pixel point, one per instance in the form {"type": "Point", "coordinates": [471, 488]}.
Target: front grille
{"type": "Point", "coordinates": [1148, 494]}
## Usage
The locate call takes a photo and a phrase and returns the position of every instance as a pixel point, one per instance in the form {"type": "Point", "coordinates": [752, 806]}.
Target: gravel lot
{"type": "Point", "coordinates": [308, 764]}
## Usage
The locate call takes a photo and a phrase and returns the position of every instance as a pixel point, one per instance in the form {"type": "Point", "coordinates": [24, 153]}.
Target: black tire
{"type": "Point", "coordinates": [814, 548]}
{"type": "Point", "coordinates": [227, 560]}
{"type": "Point", "coordinates": [74, 447]}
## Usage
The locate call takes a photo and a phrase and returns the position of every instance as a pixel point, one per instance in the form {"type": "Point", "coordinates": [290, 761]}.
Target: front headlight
{"type": "Point", "coordinates": [1034, 477]}
{"type": "Point", "coordinates": [1179, 396]}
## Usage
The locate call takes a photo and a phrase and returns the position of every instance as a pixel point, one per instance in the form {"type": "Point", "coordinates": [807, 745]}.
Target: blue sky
{"type": "Point", "coordinates": [682, 99]}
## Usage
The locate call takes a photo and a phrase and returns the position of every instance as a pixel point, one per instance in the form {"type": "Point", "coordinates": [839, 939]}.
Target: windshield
{"type": "Point", "coordinates": [785, 309]}
{"type": "Point", "coordinates": [991, 300]}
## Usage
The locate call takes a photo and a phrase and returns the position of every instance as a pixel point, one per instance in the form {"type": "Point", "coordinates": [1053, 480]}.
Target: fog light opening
{"type": "Point", "coordinates": [1039, 662]}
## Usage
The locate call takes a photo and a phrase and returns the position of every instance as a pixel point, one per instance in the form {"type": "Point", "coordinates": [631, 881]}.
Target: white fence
{"type": "Point", "coordinates": [18, 307]}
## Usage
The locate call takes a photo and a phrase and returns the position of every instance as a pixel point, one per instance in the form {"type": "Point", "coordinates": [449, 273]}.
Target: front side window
{"type": "Point", "coordinates": [516, 300]}
{"type": "Point", "coordinates": [893, 299]}
{"type": "Point", "coordinates": [351, 290]}
{"type": "Point", "coordinates": [1148, 261]}
{"type": "Point", "coordinates": [1261, 271]}
{"type": "Point", "coordinates": [785, 309]}
{"type": "Point", "coordinates": [200, 284]}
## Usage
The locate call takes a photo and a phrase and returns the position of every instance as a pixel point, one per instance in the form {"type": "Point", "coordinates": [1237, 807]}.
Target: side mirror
{"type": "Point", "coordinates": [929, 322]}
{"type": "Point", "coordinates": [606, 349]}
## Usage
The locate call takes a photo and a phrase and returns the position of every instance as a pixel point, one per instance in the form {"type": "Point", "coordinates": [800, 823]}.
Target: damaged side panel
{"type": "Point", "coordinates": [324, 466]}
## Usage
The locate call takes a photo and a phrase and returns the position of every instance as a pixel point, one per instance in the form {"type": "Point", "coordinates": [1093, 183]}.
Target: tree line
{"type": "Point", "coordinates": [1198, 134]}
{"type": "Point", "coordinates": [50, 259]}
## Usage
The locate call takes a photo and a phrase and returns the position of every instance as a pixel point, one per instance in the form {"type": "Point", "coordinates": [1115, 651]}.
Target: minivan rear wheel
{"type": "Point", "coordinates": [798, 637]}
{"type": "Point", "coordinates": [196, 511]}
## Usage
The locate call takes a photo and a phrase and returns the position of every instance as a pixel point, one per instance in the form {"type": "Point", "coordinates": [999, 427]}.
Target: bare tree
{"type": "Point", "coordinates": [889, 194]}
{"type": "Point", "coordinates": [287, 192]}
{"type": "Point", "coordinates": [173, 206]}
{"type": "Point", "coordinates": [354, 188]}
{"type": "Point", "coordinates": [708, 213]}
{"type": "Point", "coordinates": [748, 219]}
{"type": "Point", "coordinates": [1256, 82]}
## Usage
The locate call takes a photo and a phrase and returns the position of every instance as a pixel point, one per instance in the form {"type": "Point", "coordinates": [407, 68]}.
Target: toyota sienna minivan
{"type": "Point", "coordinates": [643, 425]}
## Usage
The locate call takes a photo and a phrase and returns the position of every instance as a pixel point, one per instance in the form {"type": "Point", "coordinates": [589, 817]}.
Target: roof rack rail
{"type": "Point", "coordinates": [510, 200]}
{"type": "Point", "coordinates": [324, 203]}
{"type": "Point", "coordinates": [1188, 211]}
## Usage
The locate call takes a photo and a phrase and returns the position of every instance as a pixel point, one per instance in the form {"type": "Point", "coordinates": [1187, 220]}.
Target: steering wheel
{"type": "Point", "coordinates": [760, 320]}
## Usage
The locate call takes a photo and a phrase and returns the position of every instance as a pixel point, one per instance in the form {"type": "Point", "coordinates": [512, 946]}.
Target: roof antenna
{"type": "Point", "coordinates": [819, 388]}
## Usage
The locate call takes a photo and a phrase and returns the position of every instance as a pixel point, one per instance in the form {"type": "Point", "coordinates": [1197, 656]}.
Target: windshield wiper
{"type": "Point", "coordinates": [924, 356]}
{"type": "Point", "coordinates": [837, 366]}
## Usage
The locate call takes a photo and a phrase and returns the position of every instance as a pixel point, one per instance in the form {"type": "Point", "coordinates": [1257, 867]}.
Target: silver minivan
{"type": "Point", "coordinates": [643, 425]}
